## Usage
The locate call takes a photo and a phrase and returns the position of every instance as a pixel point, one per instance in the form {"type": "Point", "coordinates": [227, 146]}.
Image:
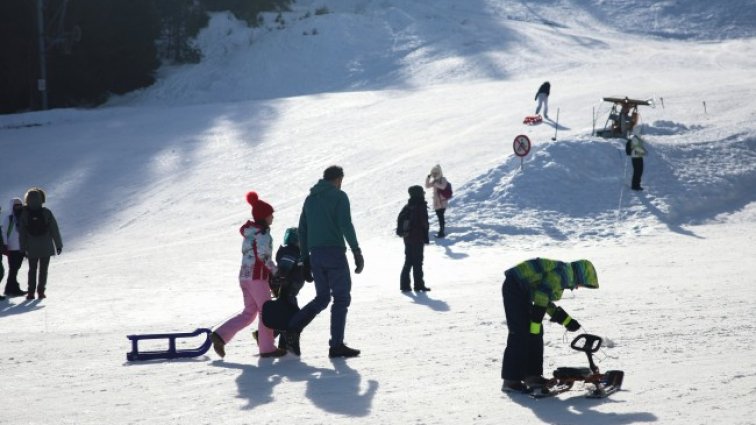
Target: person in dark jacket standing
{"type": "Point", "coordinates": [323, 225]}
{"type": "Point", "coordinates": [542, 96]}
{"type": "Point", "coordinates": [413, 224]}
{"type": "Point", "coordinates": [40, 239]}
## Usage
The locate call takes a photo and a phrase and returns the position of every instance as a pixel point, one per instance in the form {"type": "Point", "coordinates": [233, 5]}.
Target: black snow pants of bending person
{"type": "Point", "coordinates": [523, 355]}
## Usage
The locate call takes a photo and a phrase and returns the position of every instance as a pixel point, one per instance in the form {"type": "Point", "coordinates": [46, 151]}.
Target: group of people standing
{"type": "Point", "coordinates": [315, 251]}
{"type": "Point", "coordinates": [28, 231]}
{"type": "Point", "coordinates": [413, 226]}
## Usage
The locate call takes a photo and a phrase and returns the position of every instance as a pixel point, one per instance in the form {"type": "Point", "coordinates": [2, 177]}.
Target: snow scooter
{"type": "Point", "coordinates": [599, 384]}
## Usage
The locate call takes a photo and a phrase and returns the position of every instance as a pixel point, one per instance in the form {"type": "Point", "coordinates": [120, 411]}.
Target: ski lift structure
{"type": "Point", "coordinates": [623, 116]}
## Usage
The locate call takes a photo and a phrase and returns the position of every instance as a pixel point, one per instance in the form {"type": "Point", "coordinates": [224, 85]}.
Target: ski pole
{"type": "Point", "coordinates": [556, 127]}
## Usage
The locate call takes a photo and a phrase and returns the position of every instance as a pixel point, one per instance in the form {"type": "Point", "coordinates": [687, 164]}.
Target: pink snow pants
{"type": "Point", "coordinates": [255, 293]}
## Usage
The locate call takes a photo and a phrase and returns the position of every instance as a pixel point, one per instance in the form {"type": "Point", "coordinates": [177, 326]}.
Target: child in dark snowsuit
{"type": "Point", "coordinates": [290, 273]}
{"type": "Point", "coordinates": [529, 291]}
{"type": "Point", "coordinates": [413, 226]}
{"type": "Point", "coordinates": [289, 278]}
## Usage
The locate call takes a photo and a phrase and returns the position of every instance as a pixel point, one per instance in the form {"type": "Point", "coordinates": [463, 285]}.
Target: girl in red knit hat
{"type": "Point", "coordinates": [257, 266]}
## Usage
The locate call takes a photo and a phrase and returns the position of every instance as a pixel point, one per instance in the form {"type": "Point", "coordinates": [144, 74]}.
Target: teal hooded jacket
{"type": "Point", "coordinates": [326, 219]}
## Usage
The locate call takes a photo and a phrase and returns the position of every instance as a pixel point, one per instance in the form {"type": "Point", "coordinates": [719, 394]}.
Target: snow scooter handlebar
{"type": "Point", "coordinates": [591, 344]}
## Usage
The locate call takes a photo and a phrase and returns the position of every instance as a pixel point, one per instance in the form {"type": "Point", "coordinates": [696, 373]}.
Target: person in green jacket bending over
{"type": "Point", "coordinates": [325, 222]}
{"type": "Point", "coordinates": [529, 291]}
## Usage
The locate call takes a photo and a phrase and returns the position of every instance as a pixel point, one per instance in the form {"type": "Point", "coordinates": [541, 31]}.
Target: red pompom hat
{"type": "Point", "coordinates": [260, 209]}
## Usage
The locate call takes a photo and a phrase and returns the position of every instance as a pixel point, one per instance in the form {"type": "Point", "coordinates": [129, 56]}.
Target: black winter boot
{"type": "Point", "coordinates": [292, 342]}
{"type": "Point", "coordinates": [342, 351]}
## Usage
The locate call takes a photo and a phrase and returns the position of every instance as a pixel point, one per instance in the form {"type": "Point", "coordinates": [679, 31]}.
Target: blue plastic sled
{"type": "Point", "coordinates": [172, 352]}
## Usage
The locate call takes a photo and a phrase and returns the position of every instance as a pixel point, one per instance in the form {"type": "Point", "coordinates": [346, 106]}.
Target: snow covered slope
{"type": "Point", "coordinates": [149, 194]}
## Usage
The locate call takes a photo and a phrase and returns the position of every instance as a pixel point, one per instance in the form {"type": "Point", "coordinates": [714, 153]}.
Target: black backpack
{"type": "Point", "coordinates": [629, 147]}
{"type": "Point", "coordinates": [37, 223]}
{"type": "Point", "coordinates": [404, 221]}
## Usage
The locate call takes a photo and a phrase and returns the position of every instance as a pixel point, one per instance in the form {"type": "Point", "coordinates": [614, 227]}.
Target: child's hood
{"type": "Point", "coordinates": [250, 228]}
{"type": "Point", "coordinates": [13, 202]}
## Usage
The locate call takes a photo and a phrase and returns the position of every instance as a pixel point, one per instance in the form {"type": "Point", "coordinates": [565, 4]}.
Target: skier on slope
{"type": "Point", "coordinates": [529, 291]}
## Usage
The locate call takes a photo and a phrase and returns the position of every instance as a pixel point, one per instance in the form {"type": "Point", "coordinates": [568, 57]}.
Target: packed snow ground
{"type": "Point", "coordinates": [149, 194]}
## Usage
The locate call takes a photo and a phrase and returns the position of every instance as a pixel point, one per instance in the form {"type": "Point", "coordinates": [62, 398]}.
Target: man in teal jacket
{"type": "Point", "coordinates": [324, 224]}
{"type": "Point", "coordinates": [529, 291]}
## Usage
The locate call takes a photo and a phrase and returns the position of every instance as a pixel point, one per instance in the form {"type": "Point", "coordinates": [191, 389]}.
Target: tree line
{"type": "Point", "coordinates": [95, 48]}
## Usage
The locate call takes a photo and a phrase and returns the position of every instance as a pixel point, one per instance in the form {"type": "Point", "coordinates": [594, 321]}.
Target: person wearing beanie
{"type": "Point", "coordinates": [39, 239]}
{"type": "Point", "coordinates": [256, 268]}
{"type": "Point", "coordinates": [12, 247]}
{"type": "Point", "coordinates": [529, 291]}
{"type": "Point", "coordinates": [324, 224]}
{"type": "Point", "coordinates": [412, 225]}
{"type": "Point", "coordinates": [438, 182]}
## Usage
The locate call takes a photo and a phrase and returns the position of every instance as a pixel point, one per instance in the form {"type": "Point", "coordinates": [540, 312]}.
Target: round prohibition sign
{"type": "Point", "coordinates": [521, 145]}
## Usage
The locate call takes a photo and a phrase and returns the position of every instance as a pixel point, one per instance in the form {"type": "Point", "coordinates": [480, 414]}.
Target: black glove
{"type": "Point", "coordinates": [59, 250]}
{"type": "Point", "coordinates": [572, 325]}
{"type": "Point", "coordinates": [306, 271]}
{"type": "Point", "coordinates": [359, 261]}
{"type": "Point", "coordinates": [275, 282]}
{"type": "Point", "coordinates": [561, 316]}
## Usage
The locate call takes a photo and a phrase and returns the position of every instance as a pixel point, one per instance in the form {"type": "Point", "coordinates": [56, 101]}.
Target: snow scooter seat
{"type": "Point", "coordinates": [577, 373]}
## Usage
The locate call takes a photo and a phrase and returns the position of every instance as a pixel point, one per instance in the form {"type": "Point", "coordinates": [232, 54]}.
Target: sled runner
{"type": "Point", "coordinates": [599, 384]}
{"type": "Point", "coordinates": [172, 352]}
{"type": "Point", "coordinates": [532, 120]}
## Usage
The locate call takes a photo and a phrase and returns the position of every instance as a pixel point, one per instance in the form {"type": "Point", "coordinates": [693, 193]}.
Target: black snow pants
{"type": "Point", "coordinates": [523, 355]}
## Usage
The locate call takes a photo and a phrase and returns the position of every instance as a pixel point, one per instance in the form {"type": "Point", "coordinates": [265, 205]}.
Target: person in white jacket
{"type": "Point", "coordinates": [257, 267]}
{"type": "Point", "coordinates": [638, 152]}
{"type": "Point", "coordinates": [12, 247]}
{"type": "Point", "coordinates": [438, 182]}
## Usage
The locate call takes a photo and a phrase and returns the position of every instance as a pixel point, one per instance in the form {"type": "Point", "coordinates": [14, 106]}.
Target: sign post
{"type": "Point", "coordinates": [521, 147]}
